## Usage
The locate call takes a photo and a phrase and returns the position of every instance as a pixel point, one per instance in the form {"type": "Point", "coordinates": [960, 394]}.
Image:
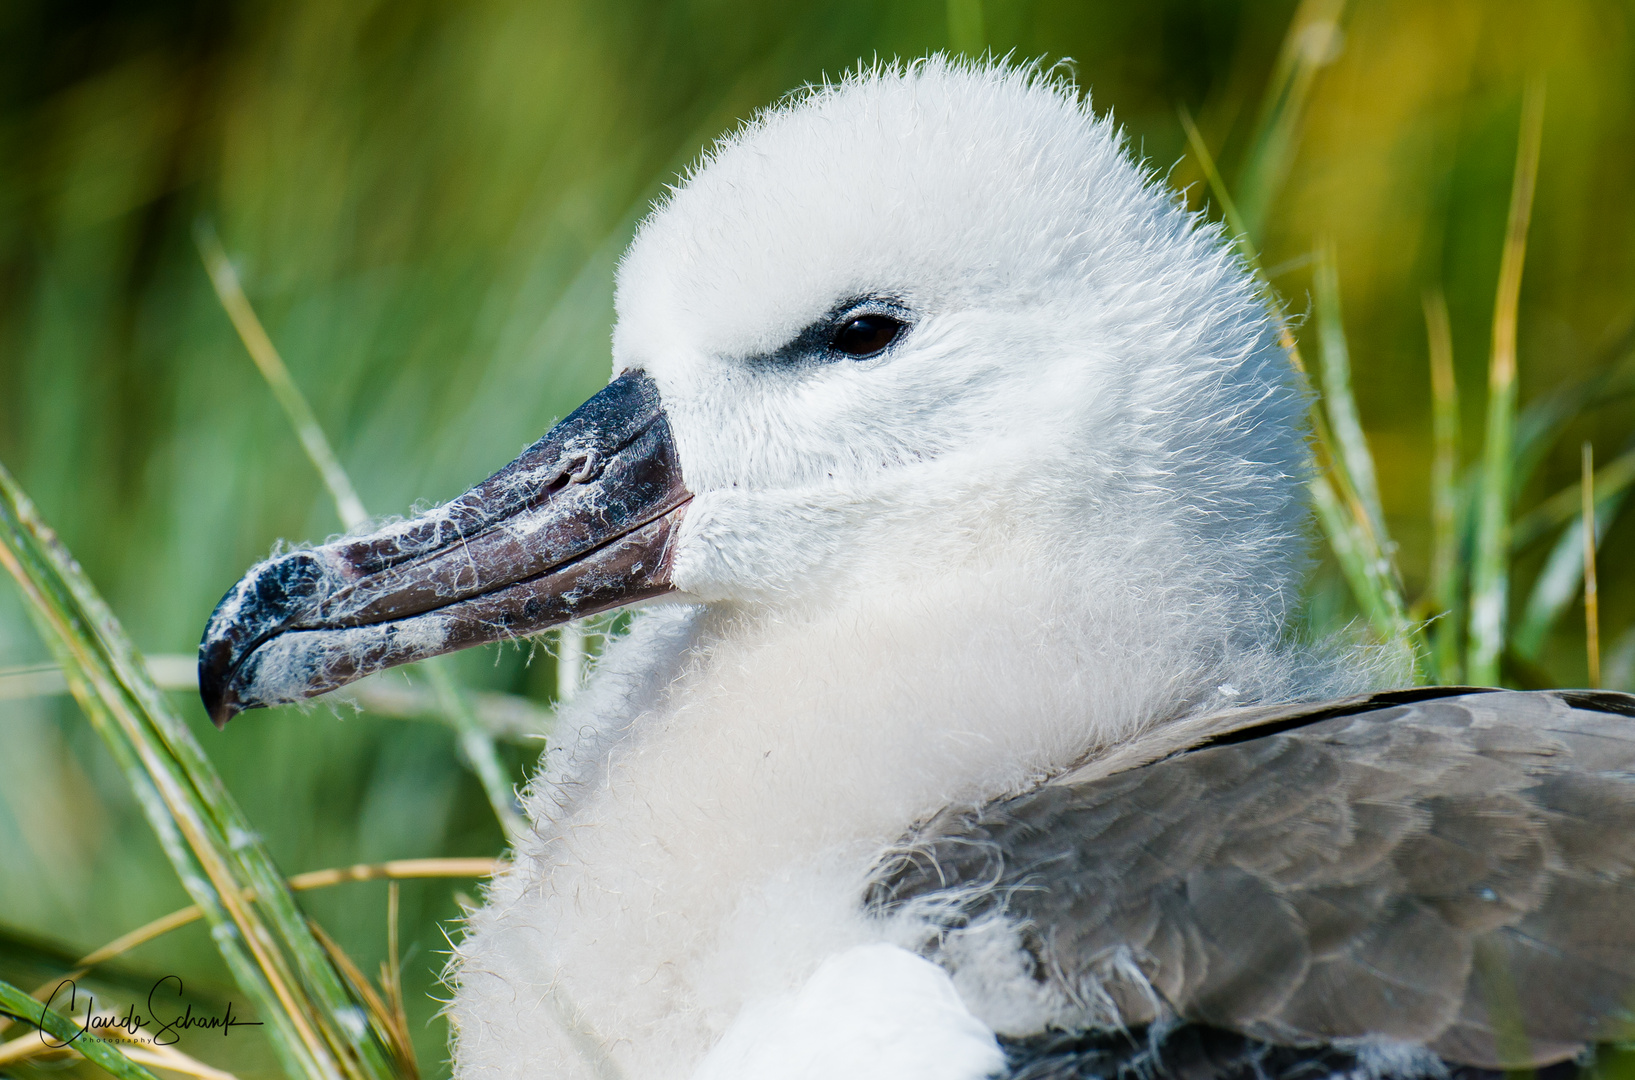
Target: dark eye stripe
{"type": "Point", "coordinates": [866, 335]}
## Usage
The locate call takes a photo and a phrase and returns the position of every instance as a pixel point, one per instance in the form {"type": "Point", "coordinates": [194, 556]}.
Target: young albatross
{"type": "Point", "coordinates": [965, 734]}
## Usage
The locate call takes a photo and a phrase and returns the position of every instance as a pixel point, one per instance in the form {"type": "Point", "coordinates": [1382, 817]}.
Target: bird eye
{"type": "Point", "coordinates": [866, 335]}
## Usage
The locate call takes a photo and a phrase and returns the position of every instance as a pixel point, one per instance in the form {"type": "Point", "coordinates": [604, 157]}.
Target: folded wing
{"type": "Point", "coordinates": [1454, 871]}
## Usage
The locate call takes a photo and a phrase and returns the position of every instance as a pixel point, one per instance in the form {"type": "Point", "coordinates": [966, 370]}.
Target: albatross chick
{"type": "Point", "coordinates": [961, 733]}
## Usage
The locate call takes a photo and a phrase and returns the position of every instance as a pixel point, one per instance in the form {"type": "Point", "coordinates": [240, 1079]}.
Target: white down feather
{"type": "Point", "coordinates": [1064, 506]}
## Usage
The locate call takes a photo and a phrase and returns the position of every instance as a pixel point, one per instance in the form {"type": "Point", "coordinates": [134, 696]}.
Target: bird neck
{"type": "Point", "coordinates": [959, 683]}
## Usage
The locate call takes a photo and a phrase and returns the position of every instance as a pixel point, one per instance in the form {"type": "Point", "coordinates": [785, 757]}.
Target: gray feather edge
{"type": "Point", "coordinates": [1449, 868]}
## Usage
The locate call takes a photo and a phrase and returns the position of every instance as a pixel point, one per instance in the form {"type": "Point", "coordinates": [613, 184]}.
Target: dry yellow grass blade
{"type": "Point", "coordinates": [268, 948]}
{"type": "Point", "coordinates": [49, 1023]}
{"type": "Point", "coordinates": [168, 1058]}
{"type": "Point", "coordinates": [399, 869]}
{"type": "Point", "coordinates": [1592, 602]}
{"type": "Point", "coordinates": [381, 1015]}
{"type": "Point", "coordinates": [28, 1046]}
{"type": "Point", "coordinates": [1446, 573]}
{"type": "Point", "coordinates": [396, 870]}
{"type": "Point", "coordinates": [1567, 504]}
{"type": "Point", "coordinates": [391, 984]}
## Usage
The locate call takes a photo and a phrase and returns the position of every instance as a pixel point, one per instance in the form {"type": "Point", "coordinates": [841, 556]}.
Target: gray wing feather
{"type": "Point", "coordinates": [1456, 871]}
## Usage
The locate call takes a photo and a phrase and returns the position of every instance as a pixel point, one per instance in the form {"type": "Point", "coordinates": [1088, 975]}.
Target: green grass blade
{"type": "Point", "coordinates": [966, 31]}
{"type": "Point", "coordinates": [507, 717]}
{"type": "Point", "coordinates": [1223, 197]}
{"type": "Point", "coordinates": [476, 743]}
{"type": "Point", "coordinates": [1611, 480]}
{"type": "Point", "coordinates": [1310, 44]}
{"type": "Point", "coordinates": [14, 1002]}
{"type": "Point", "coordinates": [271, 365]}
{"type": "Point", "coordinates": [1556, 587]}
{"type": "Point", "coordinates": [1446, 571]}
{"type": "Point", "coordinates": [1367, 571]}
{"type": "Point", "coordinates": [1338, 399]}
{"type": "Point", "coordinates": [1490, 583]}
{"type": "Point", "coordinates": [1542, 420]}
{"type": "Point", "coordinates": [570, 660]}
{"type": "Point", "coordinates": [267, 945]}
{"type": "Point", "coordinates": [1365, 553]}
{"type": "Point", "coordinates": [1355, 533]}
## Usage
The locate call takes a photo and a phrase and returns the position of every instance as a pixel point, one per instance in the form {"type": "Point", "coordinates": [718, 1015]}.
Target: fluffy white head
{"type": "Point", "coordinates": [1062, 506]}
{"type": "Point", "coordinates": [1088, 385]}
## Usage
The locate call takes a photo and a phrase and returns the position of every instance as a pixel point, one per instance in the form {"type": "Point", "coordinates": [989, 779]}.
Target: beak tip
{"type": "Point", "coordinates": [215, 670]}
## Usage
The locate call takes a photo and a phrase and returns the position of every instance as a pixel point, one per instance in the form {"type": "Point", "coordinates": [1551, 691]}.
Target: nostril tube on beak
{"type": "Point", "coordinates": [585, 467]}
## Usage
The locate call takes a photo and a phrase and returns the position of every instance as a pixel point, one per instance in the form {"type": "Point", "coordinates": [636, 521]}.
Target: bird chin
{"type": "Point", "coordinates": [583, 521]}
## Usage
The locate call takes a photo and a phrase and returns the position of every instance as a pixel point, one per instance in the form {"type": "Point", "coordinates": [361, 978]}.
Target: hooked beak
{"type": "Point", "coordinates": [580, 523]}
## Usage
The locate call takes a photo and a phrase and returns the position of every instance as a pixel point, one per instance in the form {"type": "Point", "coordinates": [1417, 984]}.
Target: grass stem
{"type": "Point", "coordinates": [1355, 532]}
{"type": "Point", "coordinates": [475, 741]}
{"type": "Point", "coordinates": [1612, 480]}
{"type": "Point", "coordinates": [570, 660]}
{"type": "Point", "coordinates": [477, 745]}
{"type": "Point", "coordinates": [966, 30]}
{"type": "Point", "coordinates": [13, 1002]}
{"type": "Point", "coordinates": [504, 716]}
{"type": "Point", "coordinates": [1490, 570]}
{"type": "Point", "coordinates": [1592, 604]}
{"type": "Point", "coordinates": [1338, 398]}
{"type": "Point", "coordinates": [1445, 570]}
{"type": "Point", "coordinates": [398, 870]}
{"type": "Point", "coordinates": [1217, 188]}
{"type": "Point", "coordinates": [260, 347]}
{"type": "Point", "coordinates": [214, 851]}
{"type": "Point", "coordinates": [1312, 42]}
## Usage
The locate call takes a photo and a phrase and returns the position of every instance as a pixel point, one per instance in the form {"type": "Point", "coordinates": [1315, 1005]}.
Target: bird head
{"type": "Point", "coordinates": [926, 323]}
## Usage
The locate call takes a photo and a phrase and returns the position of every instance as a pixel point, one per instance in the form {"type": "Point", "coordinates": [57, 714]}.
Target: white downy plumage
{"type": "Point", "coordinates": [1063, 507]}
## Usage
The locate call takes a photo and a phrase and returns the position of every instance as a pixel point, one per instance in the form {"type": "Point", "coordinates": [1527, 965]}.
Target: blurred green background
{"type": "Point", "coordinates": [426, 202]}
